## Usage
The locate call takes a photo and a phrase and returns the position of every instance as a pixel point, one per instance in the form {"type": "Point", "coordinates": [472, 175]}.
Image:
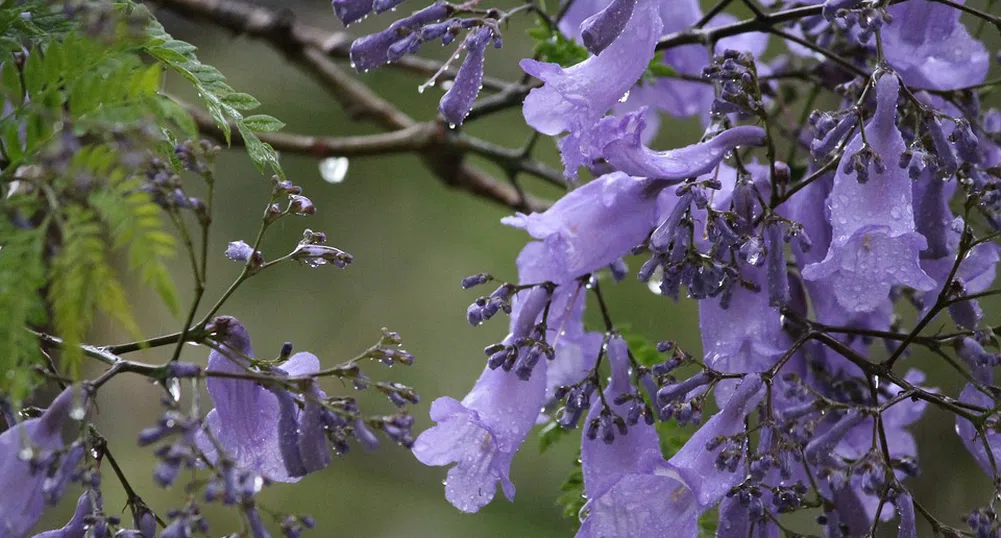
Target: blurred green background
{"type": "Point", "coordinates": [413, 240]}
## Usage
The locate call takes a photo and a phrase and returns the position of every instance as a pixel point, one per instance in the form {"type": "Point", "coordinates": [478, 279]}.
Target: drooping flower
{"type": "Point", "coordinates": [697, 463]}
{"type": "Point", "coordinates": [573, 99]}
{"type": "Point", "coordinates": [34, 458]}
{"type": "Point", "coordinates": [630, 490]}
{"type": "Point", "coordinates": [76, 527]}
{"type": "Point", "coordinates": [936, 223]}
{"type": "Point", "coordinates": [874, 245]}
{"type": "Point", "coordinates": [594, 225]}
{"type": "Point", "coordinates": [620, 143]}
{"type": "Point", "coordinates": [482, 433]}
{"type": "Point", "coordinates": [261, 429]}
{"type": "Point", "coordinates": [977, 444]}
{"type": "Point", "coordinates": [745, 337]}
{"type": "Point", "coordinates": [458, 100]}
{"type": "Point", "coordinates": [930, 48]}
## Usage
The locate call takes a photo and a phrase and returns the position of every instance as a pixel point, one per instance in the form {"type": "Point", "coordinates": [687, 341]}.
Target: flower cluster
{"type": "Point", "coordinates": [797, 267]}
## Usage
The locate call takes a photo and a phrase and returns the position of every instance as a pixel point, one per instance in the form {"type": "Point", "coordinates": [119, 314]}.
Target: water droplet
{"type": "Point", "coordinates": [174, 388]}
{"type": "Point", "coordinates": [333, 169]}
{"type": "Point", "coordinates": [78, 412]}
{"type": "Point", "coordinates": [624, 97]}
{"type": "Point", "coordinates": [447, 85]}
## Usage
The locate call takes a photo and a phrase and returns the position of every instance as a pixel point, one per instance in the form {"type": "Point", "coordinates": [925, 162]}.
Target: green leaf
{"type": "Point", "coordinates": [572, 498]}
{"type": "Point", "coordinates": [643, 350]}
{"type": "Point", "coordinates": [553, 46]}
{"type": "Point", "coordinates": [657, 69]}
{"type": "Point", "coordinates": [241, 101]}
{"type": "Point", "coordinates": [221, 101]}
{"type": "Point", "coordinates": [260, 152]}
{"type": "Point", "coordinates": [551, 434]}
{"type": "Point", "coordinates": [708, 523]}
{"type": "Point", "coordinates": [263, 123]}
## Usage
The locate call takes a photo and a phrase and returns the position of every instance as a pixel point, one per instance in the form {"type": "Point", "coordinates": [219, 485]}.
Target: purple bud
{"type": "Point", "coordinates": [599, 30]}
{"type": "Point", "coordinates": [371, 51]}
{"type": "Point", "coordinates": [943, 150]}
{"type": "Point", "coordinates": [239, 251]}
{"type": "Point", "coordinates": [966, 313]}
{"type": "Point", "coordinates": [351, 11]}
{"type": "Point", "coordinates": [822, 445]}
{"type": "Point", "coordinates": [476, 280]}
{"type": "Point", "coordinates": [965, 141]}
{"type": "Point", "coordinates": [458, 100]}
{"type": "Point", "coordinates": [381, 6]}
{"type": "Point", "coordinates": [822, 147]}
{"type": "Point", "coordinates": [663, 236]}
{"type": "Point", "coordinates": [317, 255]}
{"type": "Point", "coordinates": [300, 205]}
{"type": "Point", "coordinates": [619, 269]}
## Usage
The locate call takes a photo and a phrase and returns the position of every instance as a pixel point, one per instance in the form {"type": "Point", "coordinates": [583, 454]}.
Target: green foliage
{"type": "Point", "coordinates": [81, 282]}
{"type": "Point", "coordinates": [223, 103]}
{"type": "Point", "coordinates": [643, 350]}
{"type": "Point", "coordinates": [572, 498]}
{"type": "Point", "coordinates": [82, 117]}
{"type": "Point", "coordinates": [657, 69]}
{"type": "Point", "coordinates": [22, 274]}
{"type": "Point", "coordinates": [708, 523]}
{"type": "Point", "coordinates": [135, 225]}
{"type": "Point", "coordinates": [552, 46]}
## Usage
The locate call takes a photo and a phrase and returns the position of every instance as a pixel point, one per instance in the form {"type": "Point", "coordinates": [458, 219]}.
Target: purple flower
{"type": "Point", "coordinates": [239, 251]}
{"type": "Point", "coordinates": [26, 450]}
{"type": "Point", "coordinates": [621, 145]}
{"type": "Point", "coordinates": [575, 98]}
{"type": "Point", "coordinates": [482, 433]}
{"type": "Point", "coordinates": [930, 48]}
{"type": "Point", "coordinates": [458, 100]}
{"type": "Point", "coordinates": [77, 526]}
{"type": "Point", "coordinates": [684, 98]}
{"type": "Point", "coordinates": [696, 464]}
{"type": "Point", "coordinates": [874, 245]}
{"type": "Point", "coordinates": [631, 492]}
{"type": "Point", "coordinates": [373, 50]}
{"type": "Point", "coordinates": [905, 507]}
{"type": "Point", "coordinates": [594, 225]}
{"type": "Point", "coordinates": [261, 429]}
{"type": "Point", "coordinates": [974, 441]}
{"type": "Point", "coordinates": [745, 337]}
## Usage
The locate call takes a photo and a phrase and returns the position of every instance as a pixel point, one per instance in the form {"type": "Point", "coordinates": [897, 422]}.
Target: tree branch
{"type": "Point", "coordinates": [424, 139]}
{"type": "Point", "coordinates": [279, 27]}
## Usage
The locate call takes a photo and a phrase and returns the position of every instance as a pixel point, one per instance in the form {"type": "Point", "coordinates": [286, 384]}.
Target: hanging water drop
{"type": "Point", "coordinates": [174, 388]}
{"type": "Point", "coordinates": [333, 169]}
